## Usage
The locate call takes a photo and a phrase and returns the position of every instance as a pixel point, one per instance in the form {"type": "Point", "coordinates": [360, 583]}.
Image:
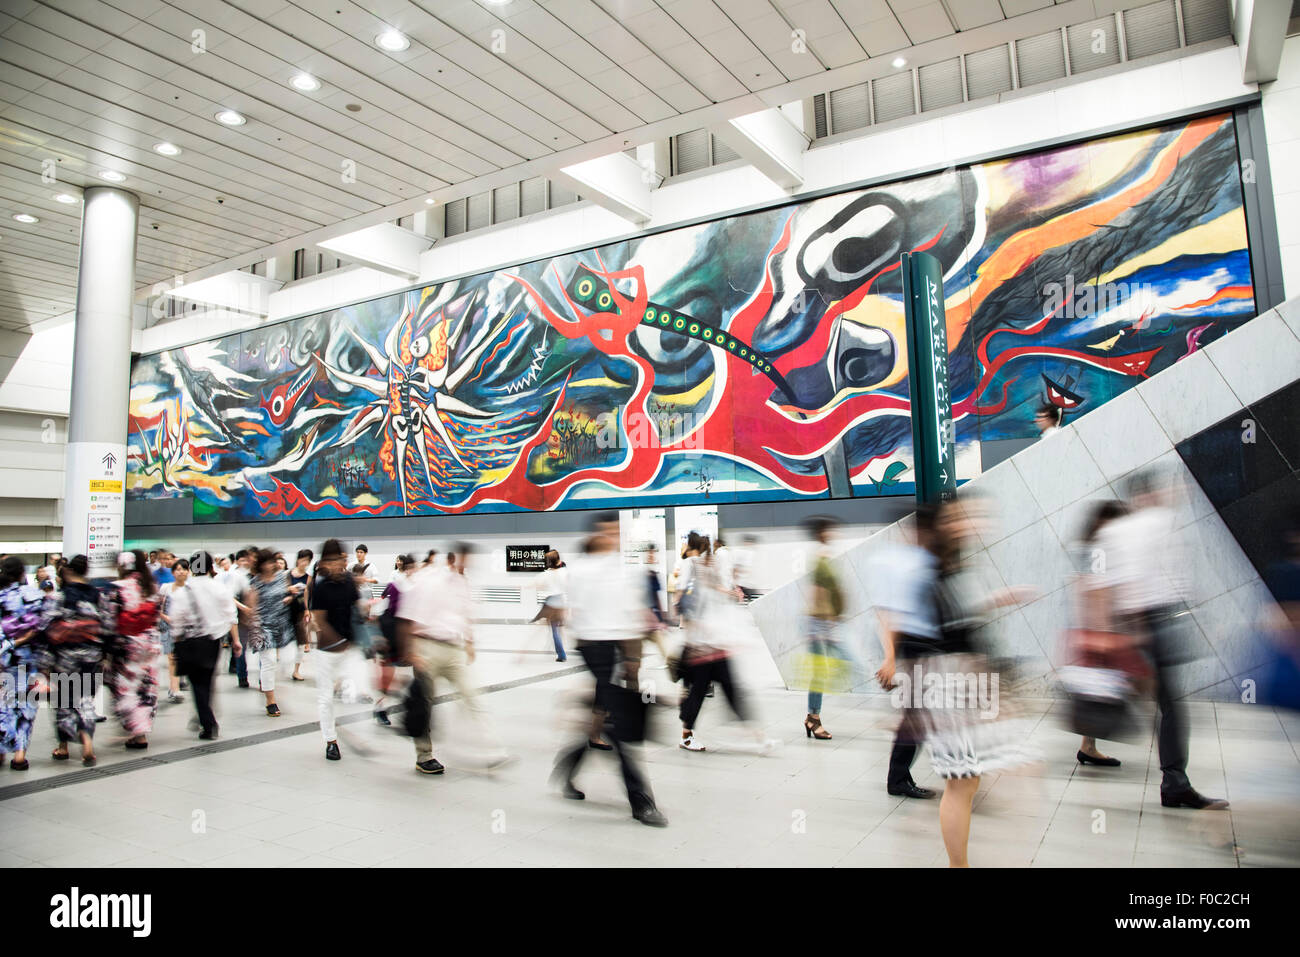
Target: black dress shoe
{"type": "Point", "coordinates": [572, 793]}
{"type": "Point", "coordinates": [1100, 762]}
{"type": "Point", "coordinates": [243, 682]}
{"type": "Point", "coordinates": [911, 790]}
{"type": "Point", "coordinates": [432, 766]}
{"type": "Point", "coordinates": [1193, 799]}
{"type": "Point", "coordinates": [381, 716]}
{"type": "Point", "coordinates": [332, 752]}
{"type": "Point", "coordinates": [650, 816]}
{"type": "Point", "coordinates": [135, 745]}
{"type": "Point", "coordinates": [208, 734]}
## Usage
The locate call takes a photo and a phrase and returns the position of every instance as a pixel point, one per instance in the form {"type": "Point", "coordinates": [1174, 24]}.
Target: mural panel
{"type": "Point", "coordinates": [755, 358]}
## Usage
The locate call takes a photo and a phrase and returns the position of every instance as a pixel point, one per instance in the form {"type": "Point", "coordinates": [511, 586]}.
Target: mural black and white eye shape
{"type": "Point", "coordinates": [857, 241]}
{"type": "Point", "coordinates": [864, 355]}
{"type": "Point", "coordinates": [401, 427]}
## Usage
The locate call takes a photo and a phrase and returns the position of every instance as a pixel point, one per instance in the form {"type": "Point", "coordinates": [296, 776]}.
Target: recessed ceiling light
{"type": "Point", "coordinates": [112, 175]}
{"type": "Point", "coordinates": [26, 218]}
{"type": "Point", "coordinates": [67, 199]}
{"type": "Point", "coordinates": [230, 118]}
{"type": "Point", "coordinates": [167, 149]}
{"type": "Point", "coordinates": [899, 62]}
{"type": "Point", "coordinates": [392, 41]}
{"type": "Point", "coordinates": [305, 82]}
{"type": "Point", "coordinates": [430, 201]}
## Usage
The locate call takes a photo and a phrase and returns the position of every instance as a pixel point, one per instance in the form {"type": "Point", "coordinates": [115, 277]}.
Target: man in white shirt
{"type": "Point", "coordinates": [434, 621]}
{"type": "Point", "coordinates": [202, 612]}
{"type": "Point", "coordinates": [1142, 576]}
{"type": "Point", "coordinates": [608, 616]}
{"type": "Point", "coordinates": [237, 580]}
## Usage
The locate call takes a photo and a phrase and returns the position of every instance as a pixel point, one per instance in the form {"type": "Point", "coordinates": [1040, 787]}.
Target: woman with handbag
{"type": "Point", "coordinates": [74, 650]}
{"type": "Point", "coordinates": [707, 657]}
{"type": "Point", "coordinates": [1095, 643]}
{"type": "Point", "coordinates": [971, 729]}
{"type": "Point", "coordinates": [130, 608]}
{"type": "Point", "coordinates": [826, 661]}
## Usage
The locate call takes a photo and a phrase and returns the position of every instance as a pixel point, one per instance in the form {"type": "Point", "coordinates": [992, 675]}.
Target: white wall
{"type": "Point", "coordinates": [36, 370]}
{"type": "Point", "coordinates": [1281, 105]}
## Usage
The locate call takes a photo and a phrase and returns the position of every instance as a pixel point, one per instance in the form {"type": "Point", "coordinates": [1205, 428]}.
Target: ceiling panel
{"type": "Point", "coordinates": [95, 84]}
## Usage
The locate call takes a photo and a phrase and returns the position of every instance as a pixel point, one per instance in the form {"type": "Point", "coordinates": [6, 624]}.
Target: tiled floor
{"type": "Point", "coordinates": [811, 803]}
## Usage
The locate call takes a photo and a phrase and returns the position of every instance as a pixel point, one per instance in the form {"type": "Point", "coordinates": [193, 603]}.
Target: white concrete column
{"type": "Point", "coordinates": [93, 504]}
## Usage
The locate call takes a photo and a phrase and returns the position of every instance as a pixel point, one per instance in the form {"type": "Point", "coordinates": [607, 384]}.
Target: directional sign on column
{"type": "Point", "coordinates": [934, 451]}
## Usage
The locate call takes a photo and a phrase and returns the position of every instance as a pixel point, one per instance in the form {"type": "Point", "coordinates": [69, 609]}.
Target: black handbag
{"type": "Point", "coordinates": [1109, 719]}
{"type": "Point", "coordinates": [628, 710]}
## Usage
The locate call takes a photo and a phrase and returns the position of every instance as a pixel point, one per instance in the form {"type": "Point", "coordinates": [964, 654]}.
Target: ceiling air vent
{"type": "Point", "coordinates": [479, 211]}
{"type": "Point", "coordinates": [1206, 20]}
{"type": "Point", "coordinates": [505, 203]}
{"type": "Point", "coordinates": [988, 72]}
{"type": "Point", "coordinates": [532, 195]}
{"type": "Point", "coordinates": [893, 97]}
{"type": "Point", "coordinates": [1093, 45]}
{"type": "Point", "coordinates": [940, 84]}
{"type": "Point", "coordinates": [819, 116]}
{"type": "Point", "coordinates": [722, 153]}
{"type": "Point", "coordinates": [1040, 59]}
{"type": "Point", "coordinates": [850, 108]}
{"type": "Point", "coordinates": [1151, 29]}
{"type": "Point", "coordinates": [690, 151]}
{"type": "Point", "coordinates": [454, 217]}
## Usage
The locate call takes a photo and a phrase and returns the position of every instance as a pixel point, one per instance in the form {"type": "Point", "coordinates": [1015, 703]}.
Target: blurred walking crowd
{"type": "Point", "coordinates": [937, 610]}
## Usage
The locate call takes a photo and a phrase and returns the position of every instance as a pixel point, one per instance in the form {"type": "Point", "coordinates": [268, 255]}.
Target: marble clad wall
{"type": "Point", "coordinates": [1040, 496]}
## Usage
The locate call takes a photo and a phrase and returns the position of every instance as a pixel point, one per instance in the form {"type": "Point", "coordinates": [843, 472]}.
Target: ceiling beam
{"type": "Point", "coordinates": [617, 182]}
{"type": "Point", "coordinates": [770, 143]}
{"type": "Point", "coordinates": [238, 290]}
{"type": "Point", "coordinates": [1259, 27]}
{"type": "Point", "coordinates": [385, 246]}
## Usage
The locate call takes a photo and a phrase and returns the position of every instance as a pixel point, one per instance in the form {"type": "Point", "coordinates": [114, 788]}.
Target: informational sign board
{"type": "Point", "coordinates": [934, 450]}
{"type": "Point", "coordinates": [638, 528]}
{"type": "Point", "coordinates": [94, 502]}
{"type": "Point", "coordinates": [526, 558]}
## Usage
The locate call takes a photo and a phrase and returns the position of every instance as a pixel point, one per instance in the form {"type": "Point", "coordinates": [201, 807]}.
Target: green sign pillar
{"type": "Point", "coordinates": [934, 451]}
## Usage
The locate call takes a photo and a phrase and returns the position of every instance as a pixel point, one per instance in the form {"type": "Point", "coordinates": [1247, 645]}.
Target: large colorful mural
{"type": "Point", "coordinates": [758, 357]}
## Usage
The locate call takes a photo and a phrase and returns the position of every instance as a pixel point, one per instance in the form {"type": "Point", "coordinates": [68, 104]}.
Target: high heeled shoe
{"type": "Point", "coordinates": [1100, 762]}
{"type": "Point", "coordinates": [812, 726]}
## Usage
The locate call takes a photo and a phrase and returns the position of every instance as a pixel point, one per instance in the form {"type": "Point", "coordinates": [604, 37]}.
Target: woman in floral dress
{"type": "Point", "coordinates": [74, 652]}
{"type": "Point", "coordinates": [20, 619]}
{"type": "Point", "coordinates": [129, 610]}
{"type": "Point", "coordinates": [272, 628]}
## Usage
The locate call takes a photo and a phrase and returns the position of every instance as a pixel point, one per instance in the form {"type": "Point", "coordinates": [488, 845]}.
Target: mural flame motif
{"type": "Point", "coordinates": [776, 337]}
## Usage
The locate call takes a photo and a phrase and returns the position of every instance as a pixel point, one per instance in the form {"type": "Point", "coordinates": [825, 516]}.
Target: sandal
{"type": "Point", "coordinates": [812, 726]}
{"type": "Point", "coordinates": [89, 760]}
{"type": "Point", "coordinates": [60, 755]}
